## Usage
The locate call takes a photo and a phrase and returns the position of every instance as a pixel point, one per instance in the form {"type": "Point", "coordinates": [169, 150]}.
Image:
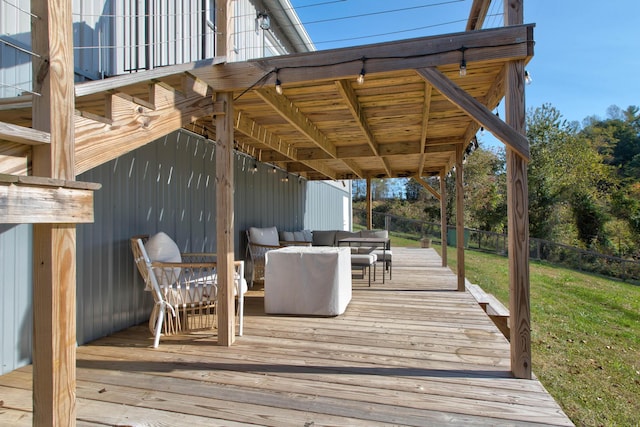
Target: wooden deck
{"type": "Point", "coordinates": [410, 352]}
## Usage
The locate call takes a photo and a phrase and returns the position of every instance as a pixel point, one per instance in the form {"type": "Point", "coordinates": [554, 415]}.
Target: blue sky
{"type": "Point", "coordinates": [586, 57]}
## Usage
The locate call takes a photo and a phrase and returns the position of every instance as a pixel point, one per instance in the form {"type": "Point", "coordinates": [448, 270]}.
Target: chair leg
{"type": "Point", "coordinates": [161, 313]}
{"type": "Point", "coordinates": [240, 313]}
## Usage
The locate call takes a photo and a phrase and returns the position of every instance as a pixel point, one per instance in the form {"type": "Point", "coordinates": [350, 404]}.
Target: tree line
{"type": "Point", "coordinates": [583, 178]}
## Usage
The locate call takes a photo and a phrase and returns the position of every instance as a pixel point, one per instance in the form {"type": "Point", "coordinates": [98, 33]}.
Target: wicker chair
{"type": "Point", "coordinates": [259, 242]}
{"type": "Point", "coordinates": [184, 287]}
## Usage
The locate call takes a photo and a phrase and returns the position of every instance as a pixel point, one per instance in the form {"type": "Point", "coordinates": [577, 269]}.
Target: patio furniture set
{"type": "Point", "coordinates": [304, 273]}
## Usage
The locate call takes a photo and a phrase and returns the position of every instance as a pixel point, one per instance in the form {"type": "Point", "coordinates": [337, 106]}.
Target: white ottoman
{"type": "Point", "coordinates": [307, 281]}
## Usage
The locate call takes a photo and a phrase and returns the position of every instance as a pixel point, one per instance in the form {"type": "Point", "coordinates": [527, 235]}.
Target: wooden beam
{"type": "Point", "coordinates": [118, 82]}
{"type": "Point", "coordinates": [259, 133]}
{"type": "Point", "coordinates": [297, 119]}
{"type": "Point", "coordinates": [477, 14]}
{"type": "Point", "coordinates": [225, 223]}
{"type": "Point", "coordinates": [23, 135]}
{"type": "Point", "coordinates": [477, 111]}
{"type": "Point", "coordinates": [517, 213]}
{"type": "Point", "coordinates": [351, 99]}
{"type": "Point", "coordinates": [428, 89]}
{"type": "Point", "coordinates": [387, 166]}
{"type": "Point", "coordinates": [460, 217]}
{"type": "Point", "coordinates": [130, 125]}
{"type": "Point", "coordinates": [54, 250]}
{"type": "Point", "coordinates": [336, 64]}
{"type": "Point", "coordinates": [427, 187]}
{"type": "Point", "coordinates": [443, 216]}
{"type": "Point", "coordinates": [31, 200]}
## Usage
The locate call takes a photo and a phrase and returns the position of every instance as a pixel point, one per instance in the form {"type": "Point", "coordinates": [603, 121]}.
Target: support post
{"type": "Point", "coordinates": [54, 250]}
{"type": "Point", "coordinates": [225, 221]}
{"type": "Point", "coordinates": [460, 216]}
{"type": "Point", "coordinates": [443, 216]}
{"type": "Point", "coordinates": [222, 30]}
{"type": "Point", "coordinates": [518, 212]}
{"type": "Point", "coordinates": [369, 205]}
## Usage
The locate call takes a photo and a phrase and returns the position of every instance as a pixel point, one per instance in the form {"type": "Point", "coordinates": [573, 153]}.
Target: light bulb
{"type": "Point", "coordinates": [278, 87]}
{"type": "Point", "coordinates": [527, 78]}
{"type": "Point", "coordinates": [360, 78]}
{"type": "Point", "coordinates": [463, 68]}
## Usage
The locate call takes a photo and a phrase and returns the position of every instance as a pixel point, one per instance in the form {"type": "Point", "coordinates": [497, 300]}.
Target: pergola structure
{"type": "Point", "coordinates": [413, 116]}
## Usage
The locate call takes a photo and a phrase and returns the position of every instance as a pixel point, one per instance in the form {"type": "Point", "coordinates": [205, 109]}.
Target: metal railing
{"type": "Point", "coordinates": [488, 241]}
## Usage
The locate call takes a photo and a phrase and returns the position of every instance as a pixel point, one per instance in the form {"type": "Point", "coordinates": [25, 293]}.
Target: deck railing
{"type": "Point", "coordinates": [488, 241]}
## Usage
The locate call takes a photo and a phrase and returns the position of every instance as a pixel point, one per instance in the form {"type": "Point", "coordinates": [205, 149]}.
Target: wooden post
{"type": "Point", "coordinates": [369, 205]}
{"type": "Point", "coordinates": [222, 28]}
{"type": "Point", "coordinates": [224, 221]}
{"type": "Point", "coordinates": [54, 249]}
{"type": "Point", "coordinates": [460, 216]}
{"type": "Point", "coordinates": [518, 212]}
{"type": "Point", "coordinates": [443, 216]}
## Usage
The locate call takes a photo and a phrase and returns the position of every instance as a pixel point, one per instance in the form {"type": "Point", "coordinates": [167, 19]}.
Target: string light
{"type": "Point", "coordinates": [274, 170]}
{"type": "Point", "coordinates": [278, 84]}
{"type": "Point", "coordinates": [463, 63]}
{"type": "Point", "coordinates": [254, 169]}
{"type": "Point", "coordinates": [360, 78]}
{"type": "Point", "coordinates": [527, 77]}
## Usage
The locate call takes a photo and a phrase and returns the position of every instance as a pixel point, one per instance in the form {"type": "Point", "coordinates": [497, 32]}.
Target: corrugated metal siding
{"type": "Point", "coordinates": [148, 34]}
{"type": "Point", "coordinates": [15, 61]}
{"type": "Point", "coordinates": [324, 207]}
{"type": "Point", "coordinates": [167, 185]}
{"type": "Point", "coordinates": [16, 295]}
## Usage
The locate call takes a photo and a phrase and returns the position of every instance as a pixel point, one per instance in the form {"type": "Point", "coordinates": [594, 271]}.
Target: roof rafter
{"type": "Point", "coordinates": [297, 119]}
{"type": "Point", "coordinates": [428, 89]}
{"type": "Point", "coordinates": [253, 130]}
{"type": "Point", "coordinates": [130, 125]}
{"type": "Point", "coordinates": [349, 95]}
{"type": "Point", "coordinates": [477, 111]}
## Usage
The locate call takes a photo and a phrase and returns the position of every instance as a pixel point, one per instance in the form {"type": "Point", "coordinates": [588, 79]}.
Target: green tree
{"type": "Point", "coordinates": [568, 180]}
{"type": "Point", "coordinates": [485, 198]}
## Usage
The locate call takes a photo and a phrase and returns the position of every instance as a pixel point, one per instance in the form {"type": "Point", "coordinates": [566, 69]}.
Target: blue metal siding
{"type": "Point", "coordinates": [16, 294]}
{"type": "Point", "coordinates": [324, 206]}
{"type": "Point", "coordinates": [167, 185]}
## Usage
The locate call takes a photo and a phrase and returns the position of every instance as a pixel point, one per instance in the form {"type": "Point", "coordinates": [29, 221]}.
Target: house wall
{"type": "Point", "coordinates": [167, 185]}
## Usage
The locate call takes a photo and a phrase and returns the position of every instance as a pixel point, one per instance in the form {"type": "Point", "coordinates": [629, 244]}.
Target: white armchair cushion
{"type": "Point", "coordinates": [160, 247]}
{"type": "Point", "coordinates": [264, 236]}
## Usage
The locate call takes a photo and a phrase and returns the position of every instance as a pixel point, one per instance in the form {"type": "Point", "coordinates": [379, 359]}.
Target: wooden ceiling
{"type": "Point", "coordinates": [408, 118]}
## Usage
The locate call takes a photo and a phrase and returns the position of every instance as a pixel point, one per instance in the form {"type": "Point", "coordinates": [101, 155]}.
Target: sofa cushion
{"type": "Point", "coordinates": [341, 234]}
{"type": "Point", "coordinates": [298, 236]}
{"type": "Point", "coordinates": [323, 237]}
{"type": "Point", "coordinates": [264, 236]}
{"type": "Point", "coordinates": [287, 236]}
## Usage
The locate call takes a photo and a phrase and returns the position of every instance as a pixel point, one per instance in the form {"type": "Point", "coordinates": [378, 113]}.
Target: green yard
{"type": "Point", "coordinates": [585, 335]}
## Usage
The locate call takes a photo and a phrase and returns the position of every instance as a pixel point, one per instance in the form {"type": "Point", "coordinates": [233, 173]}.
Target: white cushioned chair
{"type": "Point", "coordinates": [184, 286]}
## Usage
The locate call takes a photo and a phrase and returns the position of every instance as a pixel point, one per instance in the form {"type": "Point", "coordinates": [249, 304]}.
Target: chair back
{"type": "Point", "coordinates": [143, 263]}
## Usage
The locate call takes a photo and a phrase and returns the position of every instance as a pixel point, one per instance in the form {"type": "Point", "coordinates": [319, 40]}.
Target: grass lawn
{"type": "Point", "coordinates": [585, 337]}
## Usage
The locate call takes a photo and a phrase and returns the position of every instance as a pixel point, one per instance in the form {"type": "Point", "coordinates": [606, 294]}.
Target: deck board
{"type": "Point", "coordinates": [411, 351]}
